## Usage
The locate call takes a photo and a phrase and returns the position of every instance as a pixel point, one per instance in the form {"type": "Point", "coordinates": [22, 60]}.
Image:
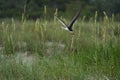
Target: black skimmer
{"type": "Point", "coordinates": [69, 27]}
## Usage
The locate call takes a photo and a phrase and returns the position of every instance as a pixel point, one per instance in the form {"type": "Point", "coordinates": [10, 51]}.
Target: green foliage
{"type": "Point", "coordinates": [94, 53]}
{"type": "Point", "coordinates": [35, 8]}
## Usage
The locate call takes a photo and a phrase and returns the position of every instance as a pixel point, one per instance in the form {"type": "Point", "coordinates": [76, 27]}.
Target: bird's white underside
{"type": "Point", "coordinates": [65, 28]}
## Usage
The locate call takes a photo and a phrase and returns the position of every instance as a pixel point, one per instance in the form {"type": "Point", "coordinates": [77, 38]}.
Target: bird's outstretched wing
{"type": "Point", "coordinates": [74, 19]}
{"type": "Point", "coordinates": [61, 21]}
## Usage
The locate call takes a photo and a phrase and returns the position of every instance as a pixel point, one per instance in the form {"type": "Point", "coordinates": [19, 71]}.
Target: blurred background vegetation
{"type": "Point", "coordinates": [33, 9]}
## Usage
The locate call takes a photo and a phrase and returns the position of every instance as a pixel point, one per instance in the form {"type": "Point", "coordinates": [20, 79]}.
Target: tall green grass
{"type": "Point", "coordinates": [94, 53]}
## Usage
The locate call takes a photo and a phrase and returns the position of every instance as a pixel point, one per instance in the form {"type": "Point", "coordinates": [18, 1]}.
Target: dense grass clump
{"type": "Point", "coordinates": [91, 54]}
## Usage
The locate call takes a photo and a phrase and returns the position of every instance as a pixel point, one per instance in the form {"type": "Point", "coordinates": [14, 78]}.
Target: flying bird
{"type": "Point", "coordinates": [69, 27]}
